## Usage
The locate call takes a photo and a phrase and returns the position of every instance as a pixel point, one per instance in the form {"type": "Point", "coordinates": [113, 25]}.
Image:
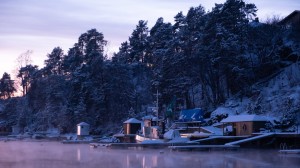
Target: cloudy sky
{"type": "Point", "coordinates": [41, 25]}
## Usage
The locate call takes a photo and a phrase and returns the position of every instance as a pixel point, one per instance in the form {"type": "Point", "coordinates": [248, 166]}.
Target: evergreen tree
{"type": "Point", "coordinates": [26, 74]}
{"type": "Point", "coordinates": [138, 42]}
{"type": "Point", "coordinates": [6, 86]}
{"type": "Point", "coordinates": [123, 56]}
{"type": "Point", "coordinates": [53, 65]}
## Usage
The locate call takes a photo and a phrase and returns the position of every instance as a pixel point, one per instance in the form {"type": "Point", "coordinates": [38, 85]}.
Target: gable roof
{"type": "Point", "coordinates": [83, 123]}
{"type": "Point", "coordinates": [191, 115]}
{"type": "Point", "coordinates": [241, 118]}
{"type": "Point", "coordinates": [132, 120]}
{"type": "Point", "coordinates": [213, 130]}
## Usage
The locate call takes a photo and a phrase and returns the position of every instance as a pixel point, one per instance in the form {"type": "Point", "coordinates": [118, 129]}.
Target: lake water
{"type": "Point", "coordinates": [20, 154]}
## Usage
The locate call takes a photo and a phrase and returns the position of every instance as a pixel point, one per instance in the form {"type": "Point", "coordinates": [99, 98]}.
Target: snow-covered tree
{"type": "Point", "coordinates": [6, 86]}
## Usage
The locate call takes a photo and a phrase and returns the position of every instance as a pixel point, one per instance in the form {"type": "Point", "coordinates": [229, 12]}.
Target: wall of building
{"type": "Point", "coordinates": [247, 128]}
{"type": "Point", "coordinates": [83, 130]}
{"type": "Point", "coordinates": [243, 128]}
{"type": "Point", "coordinates": [131, 128]}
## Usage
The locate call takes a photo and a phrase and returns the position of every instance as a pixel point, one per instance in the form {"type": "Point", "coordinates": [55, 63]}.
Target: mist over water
{"type": "Point", "coordinates": [20, 154]}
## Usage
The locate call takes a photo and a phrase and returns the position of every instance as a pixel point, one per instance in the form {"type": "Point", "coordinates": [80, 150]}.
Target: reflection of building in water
{"type": "Point", "coordinates": [78, 155]}
{"type": "Point", "coordinates": [142, 160]}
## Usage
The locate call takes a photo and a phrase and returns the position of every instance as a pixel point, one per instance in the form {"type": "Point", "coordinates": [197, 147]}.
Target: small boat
{"type": "Point", "coordinates": [140, 139]}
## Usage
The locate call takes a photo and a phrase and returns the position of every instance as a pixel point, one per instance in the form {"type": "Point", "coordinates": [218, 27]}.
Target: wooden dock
{"type": "Point", "coordinates": [177, 146]}
{"type": "Point", "coordinates": [145, 145]}
{"type": "Point", "coordinates": [250, 139]}
{"type": "Point", "coordinates": [204, 147]}
{"type": "Point", "coordinates": [76, 141]}
{"type": "Point", "coordinates": [290, 151]}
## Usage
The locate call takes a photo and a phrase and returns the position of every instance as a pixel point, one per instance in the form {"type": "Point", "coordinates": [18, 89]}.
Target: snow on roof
{"type": "Point", "coordinates": [83, 123]}
{"type": "Point", "coordinates": [191, 115]}
{"type": "Point", "coordinates": [240, 118]}
{"type": "Point", "coordinates": [155, 119]}
{"type": "Point", "coordinates": [148, 117]}
{"type": "Point", "coordinates": [217, 124]}
{"type": "Point", "coordinates": [133, 120]}
{"type": "Point", "coordinates": [222, 110]}
{"type": "Point", "coordinates": [213, 130]}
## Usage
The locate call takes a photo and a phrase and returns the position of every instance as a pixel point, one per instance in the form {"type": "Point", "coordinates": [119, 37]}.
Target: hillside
{"type": "Point", "coordinates": [277, 97]}
{"type": "Point", "coordinates": [222, 58]}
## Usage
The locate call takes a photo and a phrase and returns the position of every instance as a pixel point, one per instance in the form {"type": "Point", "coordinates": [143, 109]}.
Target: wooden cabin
{"type": "Point", "coordinates": [241, 125]}
{"type": "Point", "coordinates": [132, 126]}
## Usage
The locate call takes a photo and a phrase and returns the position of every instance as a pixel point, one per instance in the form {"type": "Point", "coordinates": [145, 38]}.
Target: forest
{"type": "Point", "coordinates": [199, 61]}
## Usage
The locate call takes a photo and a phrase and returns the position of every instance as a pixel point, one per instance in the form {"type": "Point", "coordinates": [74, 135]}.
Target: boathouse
{"type": "Point", "coordinates": [240, 125]}
{"type": "Point", "coordinates": [83, 129]}
{"type": "Point", "coordinates": [189, 120]}
{"type": "Point", "coordinates": [132, 126]}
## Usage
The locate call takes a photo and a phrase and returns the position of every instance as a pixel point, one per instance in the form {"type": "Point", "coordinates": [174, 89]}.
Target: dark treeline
{"type": "Point", "coordinates": [200, 61]}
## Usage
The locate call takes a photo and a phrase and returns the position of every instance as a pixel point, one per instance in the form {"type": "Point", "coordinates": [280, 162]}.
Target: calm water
{"type": "Point", "coordinates": [56, 155]}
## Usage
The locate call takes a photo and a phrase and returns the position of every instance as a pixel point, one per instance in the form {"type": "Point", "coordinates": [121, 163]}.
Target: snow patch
{"type": "Point", "coordinates": [223, 110]}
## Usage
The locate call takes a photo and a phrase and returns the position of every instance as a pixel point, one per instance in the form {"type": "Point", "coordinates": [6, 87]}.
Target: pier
{"type": "Point", "coordinates": [204, 147]}
{"type": "Point", "coordinates": [291, 151]}
{"type": "Point", "coordinates": [145, 145]}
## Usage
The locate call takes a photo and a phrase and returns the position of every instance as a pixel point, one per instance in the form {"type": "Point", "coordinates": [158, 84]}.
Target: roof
{"type": "Point", "coordinates": [83, 123]}
{"type": "Point", "coordinates": [191, 115]}
{"type": "Point", "coordinates": [132, 120]}
{"type": "Point", "coordinates": [150, 117]}
{"type": "Point", "coordinates": [286, 19]}
{"type": "Point", "coordinates": [213, 130]}
{"type": "Point", "coordinates": [241, 118]}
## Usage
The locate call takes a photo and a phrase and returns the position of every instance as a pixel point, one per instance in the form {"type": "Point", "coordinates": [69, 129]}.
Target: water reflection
{"type": "Point", "coordinates": [54, 154]}
{"type": "Point", "coordinates": [78, 155]}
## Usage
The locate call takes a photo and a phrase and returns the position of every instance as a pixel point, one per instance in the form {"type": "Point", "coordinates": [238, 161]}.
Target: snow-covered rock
{"type": "Point", "coordinates": [172, 134]}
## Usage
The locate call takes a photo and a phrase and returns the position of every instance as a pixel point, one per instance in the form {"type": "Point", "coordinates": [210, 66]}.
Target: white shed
{"type": "Point", "coordinates": [83, 129]}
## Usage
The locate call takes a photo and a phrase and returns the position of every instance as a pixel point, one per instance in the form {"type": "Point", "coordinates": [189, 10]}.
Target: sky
{"type": "Point", "coordinates": [41, 25]}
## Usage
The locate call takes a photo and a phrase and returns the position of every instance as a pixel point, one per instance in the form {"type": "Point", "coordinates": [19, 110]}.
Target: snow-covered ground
{"type": "Point", "coordinates": [277, 98]}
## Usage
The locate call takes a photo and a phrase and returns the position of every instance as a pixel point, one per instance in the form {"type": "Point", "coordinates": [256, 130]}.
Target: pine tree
{"type": "Point", "coordinates": [53, 65]}
{"type": "Point", "coordinates": [6, 86]}
{"type": "Point", "coordinates": [138, 42]}
{"type": "Point", "coordinates": [26, 74]}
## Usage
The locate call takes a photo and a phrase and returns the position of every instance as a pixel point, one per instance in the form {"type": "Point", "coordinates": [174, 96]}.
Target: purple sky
{"type": "Point", "coordinates": [41, 25]}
